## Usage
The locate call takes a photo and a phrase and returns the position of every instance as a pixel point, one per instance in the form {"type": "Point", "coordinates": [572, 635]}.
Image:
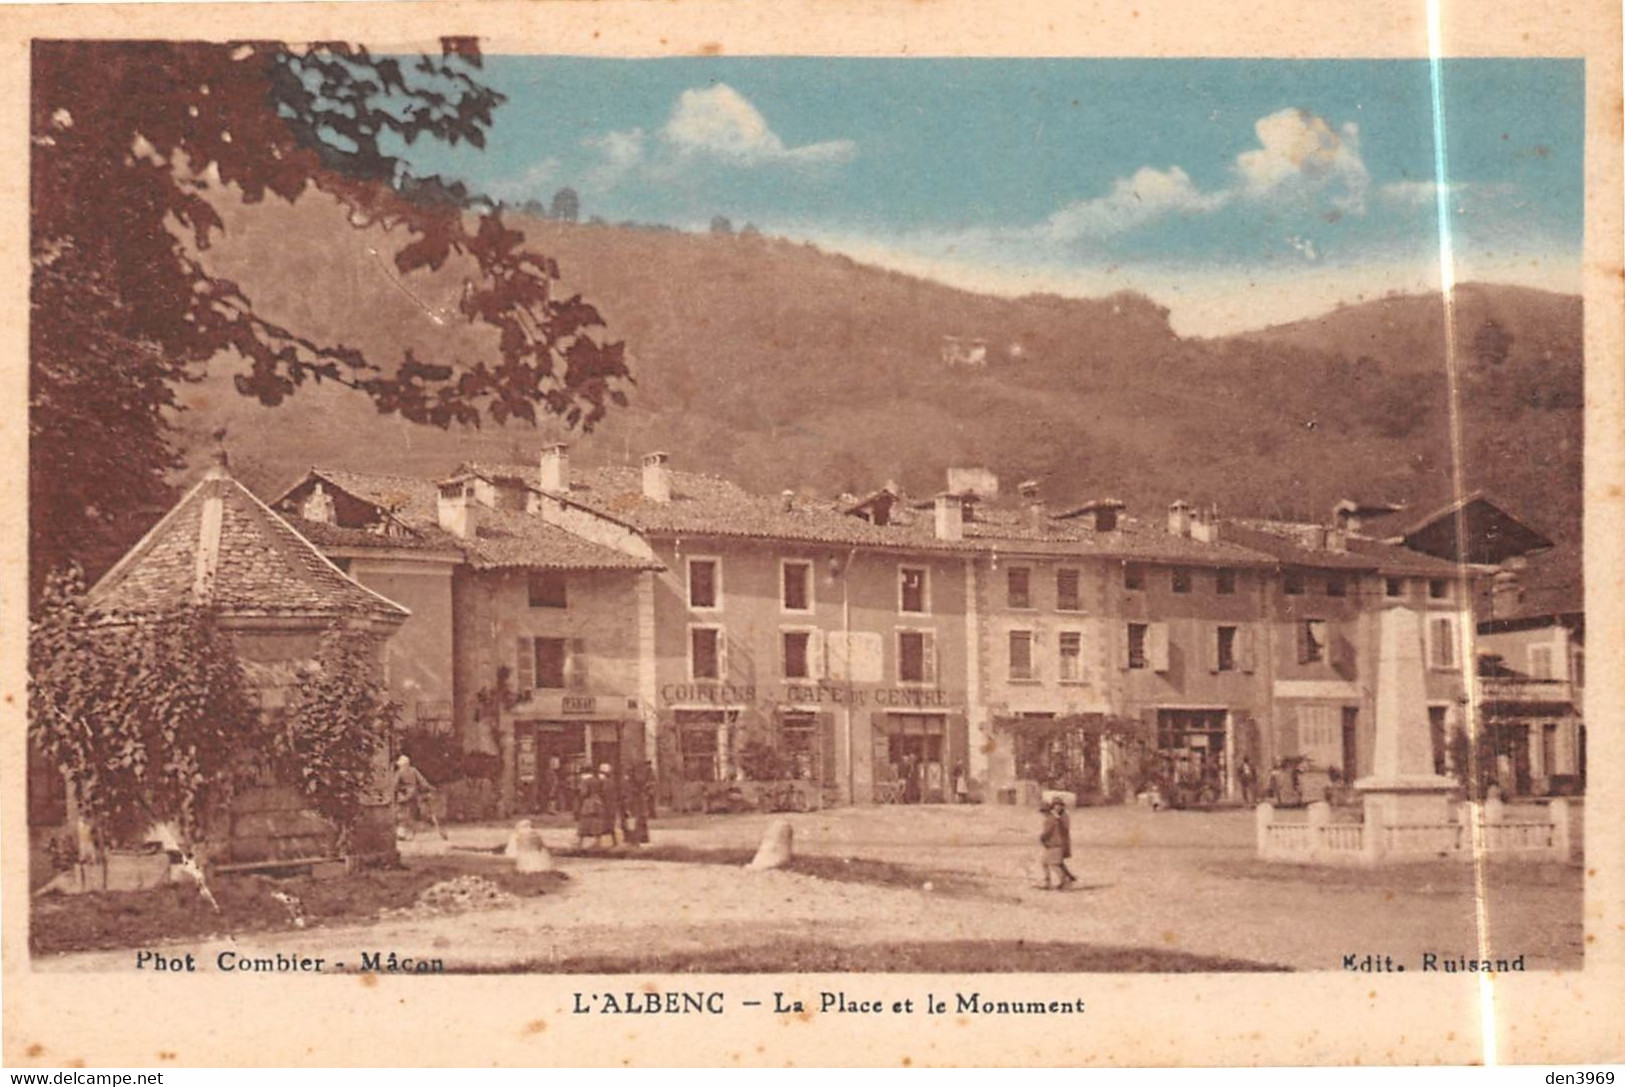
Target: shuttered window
{"type": "Point", "coordinates": [551, 654]}
{"type": "Point", "coordinates": [1021, 654]}
{"type": "Point", "coordinates": [1067, 595]}
{"type": "Point", "coordinates": [916, 656]}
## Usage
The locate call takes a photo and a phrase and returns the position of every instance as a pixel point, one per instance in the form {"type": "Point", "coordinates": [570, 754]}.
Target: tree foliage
{"type": "Point", "coordinates": [133, 143]}
{"type": "Point", "coordinates": [337, 724]}
{"type": "Point", "coordinates": [150, 720]}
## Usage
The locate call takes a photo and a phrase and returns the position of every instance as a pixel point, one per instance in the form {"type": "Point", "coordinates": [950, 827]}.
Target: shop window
{"type": "Point", "coordinates": [1021, 655]}
{"type": "Point", "coordinates": [1292, 583]}
{"type": "Point", "coordinates": [797, 593]}
{"type": "Point", "coordinates": [1442, 653]}
{"type": "Point", "coordinates": [798, 745]}
{"type": "Point", "coordinates": [1311, 641]}
{"type": "Point", "coordinates": [1070, 656]}
{"type": "Point", "coordinates": [916, 656]}
{"type": "Point", "coordinates": [797, 658]}
{"type": "Point", "coordinates": [551, 655]}
{"type": "Point", "coordinates": [1394, 586]}
{"type": "Point", "coordinates": [1336, 586]}
{"type": "Point", "coordinates": [1067, 595]}
{"type": "Point", "coordinates": [1181, 580]}
{"type": "Point", "coordinates": [1018, 587]}
{"type": "Point", "coordinates": [705, 740]}
{"type": "Point", "coordinates": [704, 583]}
{"type": "Point", "coordinates": [1134, 577]}
{"type": "Point", "coordinates": [1137, 637]}
{"type": "Point", "coordinates": [547, 589]}
{"type": "Point", "coordinates": [1438, 588]}
{"type": "Point", "coordinates": [1225, 649]}
{"type": "Point", "coordinates": [912, 590]}
{"type": "Point", "coordinates": [705, 650]}
{"type": "Point", "coordinates": [1224, 582]}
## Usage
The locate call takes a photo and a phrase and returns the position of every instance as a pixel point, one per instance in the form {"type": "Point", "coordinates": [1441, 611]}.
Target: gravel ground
{"type": "Point", "coordinates": [1178, 881]}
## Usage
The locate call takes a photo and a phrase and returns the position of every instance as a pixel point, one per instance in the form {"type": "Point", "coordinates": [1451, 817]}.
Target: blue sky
{"type": "Point", "coordinates": [1234, 191]}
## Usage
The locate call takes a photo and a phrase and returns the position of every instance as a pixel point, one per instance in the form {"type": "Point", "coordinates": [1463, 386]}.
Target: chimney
{"type": "Point", "coordinates": [1506, 587]}
{"type": "Point", "coordinates": [1179, 518]}
{"type": "Point", "coordinates": [457, 510]}
{"type": "Point", "coordinates": [656, 477]}
{"type": "Point", "coordinates": [1028, 489]}
{"type": "Point", "coordinates": [1205, 525]}
{"type": "Point", "coordinates": [554, 473]}
{"type": "Point", "coordinates": [1346, 516]}
{"type": "Point", "coordinates": [787, 500]}
{"type": "Point", "coordinates": [1106, 511]}
{"type": "Point", "coordinates": [318, 506]}
{"type": "Point", "coordinates": [1337, 539]}
{"type": "Point", "coordinates": [950, 517]}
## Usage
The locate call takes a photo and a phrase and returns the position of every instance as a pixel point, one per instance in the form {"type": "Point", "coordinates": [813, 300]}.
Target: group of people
{"type": "Point", "coordinates": [613, 807]}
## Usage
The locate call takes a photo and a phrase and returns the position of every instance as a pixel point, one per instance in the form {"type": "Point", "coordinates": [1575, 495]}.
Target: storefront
{"type": "Point", "coordinates": [1193, 746]}
{"type": "Point", "coordinates": [1097, 757]}
{"type": "Point", "coordinates": [551, 752]}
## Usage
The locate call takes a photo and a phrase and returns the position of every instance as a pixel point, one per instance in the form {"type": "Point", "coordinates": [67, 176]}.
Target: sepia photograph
{"type": "Point", "coordinates": [737, 518]}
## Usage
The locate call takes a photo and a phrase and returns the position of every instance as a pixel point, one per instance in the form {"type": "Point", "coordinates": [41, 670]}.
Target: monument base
{"type": "Point", "coordinates": [1407, 801]}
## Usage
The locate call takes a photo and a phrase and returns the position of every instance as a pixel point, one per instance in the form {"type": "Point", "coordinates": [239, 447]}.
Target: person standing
{"type": "Point", "coordinates": [961, 785]}
{"type": "Point", "coordinates": [1247, 778]}
{"type": "Point", "coordinates": [412, 799]}
{"type": "Point", "coordinates": [1052, 839]}
{"type": "Point", "coordinates": [1065, 818]}
{"type": "Point", "coordinates": [634, 806]}
{"type": "Point", "coordinates": [550, 787]}
{"type": "Point", "coordinates": [610, 780]}
{"type": "Point", "coordinates": [589, 810]}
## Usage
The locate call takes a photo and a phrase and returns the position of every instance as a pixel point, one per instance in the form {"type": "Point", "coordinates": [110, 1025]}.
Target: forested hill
{"type": "Point", "coordinates": [783, 366]}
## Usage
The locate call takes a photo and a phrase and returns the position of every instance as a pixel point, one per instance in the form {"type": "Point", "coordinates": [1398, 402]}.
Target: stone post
{"type": "Point", "coordinates": [1263, 816]}
{"type": "Point", "coordinates": [1495, 809]}
{"type": "Point", "coordinates": [1320, 814]}
{"type": "Point", "coordinates": [1558, 812]}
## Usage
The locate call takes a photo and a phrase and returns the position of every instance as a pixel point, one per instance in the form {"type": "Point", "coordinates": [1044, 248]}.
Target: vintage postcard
{"type": "Point", "coordinates": [813, 534]}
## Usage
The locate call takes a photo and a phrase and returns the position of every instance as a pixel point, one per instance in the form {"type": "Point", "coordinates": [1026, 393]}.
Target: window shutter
{"type": "Point", "coordinates": [577, 665]}
{"type": "Point", "coordinates": [815, 654]}
{"type": "Point", "coordinates": [1303, 642]}
{"type": "Point", "coordinates": [1210, 650]}
{"type": "Point", "coordinates": [928, 657]}
{"type": "Point", "coordinates": [837, 655]}
{"type": "Point", "coordinates": [526, 672]}
{"type": "Point", "coordinates": [722, 656]}
{"type": "Point", "coordinates": [1157, 649]}
{"type": "Point", "coordinates": [1245, 658]}
{"type": "Point", "coordinates": [826, 749]}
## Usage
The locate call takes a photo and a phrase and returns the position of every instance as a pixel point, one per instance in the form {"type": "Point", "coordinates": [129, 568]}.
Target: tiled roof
{"type": "Point", "coordinates": [417, 539]}
{"type": "Point", "coordinates": [261, 566]}
{"type": "Point", "coordinates": [504, 538]}
{"type": "Point", "coordinates": [708, 506]}
{"type": "Point", "coordinates": [1551, 583]}
{"type": "Point", "coordinates": [509, 538]}
{"type": "Point", "coordinates": [1286, 542]}
{"type": "Point", "coordinates": [412, 500]}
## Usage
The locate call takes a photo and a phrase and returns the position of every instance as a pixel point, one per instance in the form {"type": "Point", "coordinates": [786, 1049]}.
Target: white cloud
{"type": "Point", "coordinates": [1149, 194]}
{"type": "Point", "coordinates": [720, 122]}
{"type": "Point", "coordinates": [1415, 193]}
{"type": "Point", "coordinates": [1299, 154]}
{"type": "Point", "coordinates": [713, 124]}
